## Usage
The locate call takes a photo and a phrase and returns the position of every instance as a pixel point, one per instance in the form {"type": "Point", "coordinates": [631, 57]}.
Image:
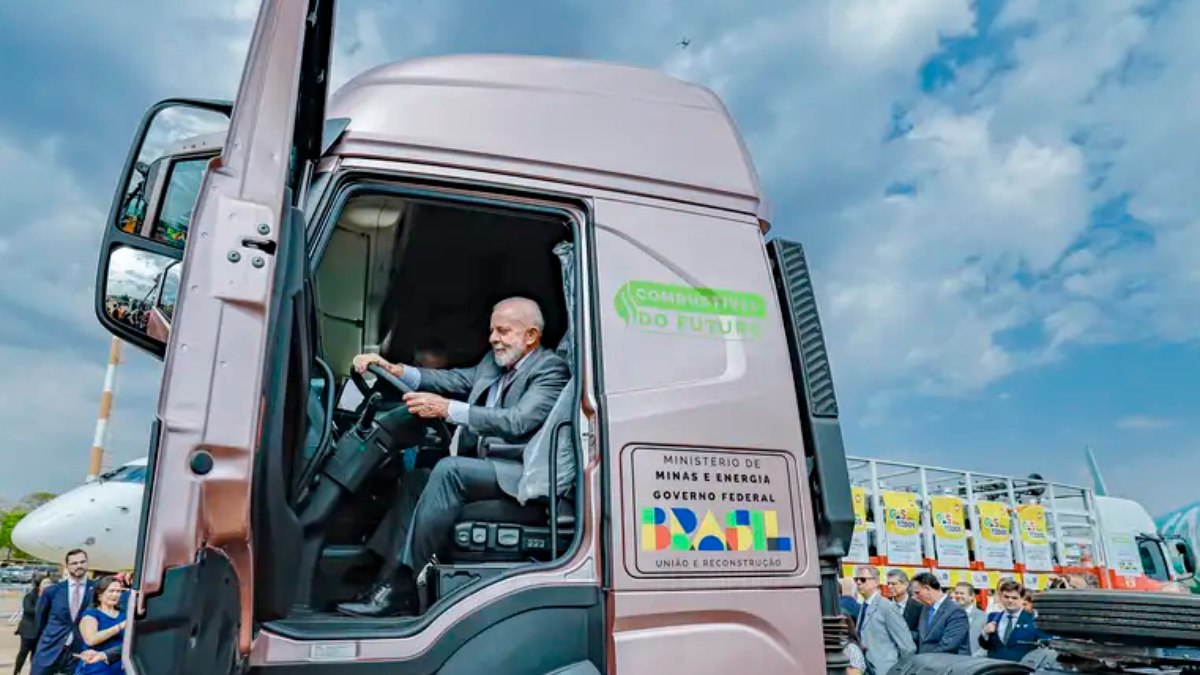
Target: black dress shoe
{"type": "Point", "coordinates": [389, 600]}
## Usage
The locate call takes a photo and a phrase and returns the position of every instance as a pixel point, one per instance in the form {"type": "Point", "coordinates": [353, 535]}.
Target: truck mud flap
{"type": "Point", "coordinates": [1152, 619]}
{"type": "Point", "coordinates": [192, 626]}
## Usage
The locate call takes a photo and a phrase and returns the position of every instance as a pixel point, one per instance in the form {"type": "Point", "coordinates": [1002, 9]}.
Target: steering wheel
{"type": "Point", "coordinates": [439, 426]}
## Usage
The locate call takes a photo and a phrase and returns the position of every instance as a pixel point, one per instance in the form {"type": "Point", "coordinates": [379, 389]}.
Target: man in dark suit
{"type": "Point", "coordinates": [944, 627]}
{"type": "Point", "coordinates": [910, 608]}
{"type": "Point", "coordinates": [1012, 633]}
{"type": "Point", "coordinates": [508, 396]}
{"type": "Point", "coordinates": [58, 612]}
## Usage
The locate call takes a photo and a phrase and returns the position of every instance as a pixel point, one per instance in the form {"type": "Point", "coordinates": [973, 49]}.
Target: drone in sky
{"type": "Point", "coordinates": [684, 43]}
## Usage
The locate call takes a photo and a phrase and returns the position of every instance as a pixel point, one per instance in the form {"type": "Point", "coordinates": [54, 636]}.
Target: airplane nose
{"type": "Point", "coordinates": [51, 528]}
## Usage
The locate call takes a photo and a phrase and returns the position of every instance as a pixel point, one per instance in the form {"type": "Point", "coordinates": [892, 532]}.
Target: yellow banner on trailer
{"type": "Point", "coordinates": [949, 531]}
{"type": "Point", "coordinates": [860, 550]}
{"type": "Point", "coordinates": [995, 535]}
{"type": "Point", "coordinates": [1031, 521]}
{"type": "Point", "coordinates": [902, 522]}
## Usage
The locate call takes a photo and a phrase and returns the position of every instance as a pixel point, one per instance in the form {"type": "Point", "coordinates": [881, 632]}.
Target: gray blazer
{"type": "Point", "coordinates": [947, 633]}
{"type": "Point", "coordinates": [978, 619]}
{"type": "Point", "coordinates": [885, 635]}
{"type": "Point", "coordinates": [522, 409]}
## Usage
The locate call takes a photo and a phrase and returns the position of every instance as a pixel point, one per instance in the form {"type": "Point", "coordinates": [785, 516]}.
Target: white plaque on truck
{"type": "Point", "coordinates": [712, 512]}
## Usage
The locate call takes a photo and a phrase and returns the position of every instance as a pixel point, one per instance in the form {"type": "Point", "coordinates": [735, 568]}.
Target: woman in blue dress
{"type": "Point", "coordinates": [103, 627]}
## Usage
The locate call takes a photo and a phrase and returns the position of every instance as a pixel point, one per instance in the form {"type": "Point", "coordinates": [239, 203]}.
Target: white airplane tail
{"type": "Point", "coordinates": [1097, 479]}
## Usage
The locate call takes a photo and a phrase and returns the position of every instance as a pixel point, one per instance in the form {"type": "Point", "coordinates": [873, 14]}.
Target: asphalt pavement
{"type": "Point", "coordinates": [10, 602]}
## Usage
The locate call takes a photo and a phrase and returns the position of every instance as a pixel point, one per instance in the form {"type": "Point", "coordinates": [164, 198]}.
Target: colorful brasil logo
{"type": "Point", "coordinates": [680, 529]}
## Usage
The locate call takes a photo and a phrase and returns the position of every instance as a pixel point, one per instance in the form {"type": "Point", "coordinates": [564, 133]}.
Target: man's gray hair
{"type": "Point", "coordinates": [528, 309]}
{"type": "Point", "coordinates": [898, 575]}
{"type": "Point", "coordinates": [868, 571]}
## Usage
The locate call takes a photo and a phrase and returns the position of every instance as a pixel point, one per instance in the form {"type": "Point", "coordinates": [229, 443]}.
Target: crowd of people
{"type": "Point", "coordinates": [74, 625]}
{"type": "Point", "coordinates": [920, 616]}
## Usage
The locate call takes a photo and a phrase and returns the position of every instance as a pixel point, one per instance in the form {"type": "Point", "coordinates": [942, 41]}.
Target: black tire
{"type": "Point", "coordinates": [1133, 617]}
{"type": "Point", "coordinates": [954, 664]}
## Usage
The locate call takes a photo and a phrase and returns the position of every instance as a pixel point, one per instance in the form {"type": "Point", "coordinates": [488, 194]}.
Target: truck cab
{"type": "Point", "coordinates": [683, 504]}
{"type": "Point", "coordinates": [1139, 557]}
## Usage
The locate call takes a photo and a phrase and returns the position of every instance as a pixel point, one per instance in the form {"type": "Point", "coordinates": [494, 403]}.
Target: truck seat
{"type": "Point", "coordinates": [503, 530]}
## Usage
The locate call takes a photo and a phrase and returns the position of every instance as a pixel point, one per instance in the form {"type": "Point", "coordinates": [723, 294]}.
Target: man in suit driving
{"type": "Point", "coordinates": [506, 396]}
{"type": "Point", "coordinates": [1012, 633]}
{"type": "Point", "coordinates": [58, 612]}
{"type": "Point", "coordinates": [882, 631]}
{"type": "Point", "coordinates": [944, 627]}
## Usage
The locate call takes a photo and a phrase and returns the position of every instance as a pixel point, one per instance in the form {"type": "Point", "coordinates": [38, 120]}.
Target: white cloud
{"type": "Point", "coordinates": [53, 351]}
{"type": "Point", "coordinates": [48, 411]}
{"type": "Point", "coordinates": [1143, 422]}
{"type": "Point", "coordinates": [53, 233]}
{"type": "Point", "coordinates": [892, 35]}
{"type": "Point", "coordinates": [919, 290]}
{"type": "Point", "coordinates": [1128, 472]}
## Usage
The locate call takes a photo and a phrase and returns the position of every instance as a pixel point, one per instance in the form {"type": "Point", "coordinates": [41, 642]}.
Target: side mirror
{"type": "Point", "coordinates": [140, 291]}
{"type": "Point", "coordinates": [1183, 557]}
{"type": "Point", "coordinates": [137, 276]}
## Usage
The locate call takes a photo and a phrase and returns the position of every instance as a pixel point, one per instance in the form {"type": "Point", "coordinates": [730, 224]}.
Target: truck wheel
{"type": "Point", "coordinates": [955, 664]}
{"type": "Point", "coordinates": [1151, 619]}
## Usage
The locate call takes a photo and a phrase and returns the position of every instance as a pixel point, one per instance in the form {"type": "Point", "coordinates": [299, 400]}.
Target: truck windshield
{"type": "Point", "coordinates": [125, 474]}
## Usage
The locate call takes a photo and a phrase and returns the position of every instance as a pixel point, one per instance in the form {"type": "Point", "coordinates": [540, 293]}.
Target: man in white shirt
{"type": "Point", "coordinates": [1012, 633]}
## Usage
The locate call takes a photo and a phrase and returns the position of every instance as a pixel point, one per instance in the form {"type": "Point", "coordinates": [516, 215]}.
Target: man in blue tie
{"type": "Point", "coordinates": [944, 627]}
{"type": "Point", "coordinates": [1012, 633]}
{"type": "Point", "coordinates": [58, 612]}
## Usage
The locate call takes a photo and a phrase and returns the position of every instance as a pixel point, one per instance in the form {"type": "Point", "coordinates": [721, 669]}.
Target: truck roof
{"type": "Point", "coordinates": [608, 125]}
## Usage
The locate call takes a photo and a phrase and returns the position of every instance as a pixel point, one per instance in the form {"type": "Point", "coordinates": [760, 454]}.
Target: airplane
{"type": "Point", "coordinates": [100, 517]}
{"type": "Point", "coordinates": [684, 43]}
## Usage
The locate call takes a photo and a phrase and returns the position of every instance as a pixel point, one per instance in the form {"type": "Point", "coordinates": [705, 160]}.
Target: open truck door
{"type": "Point", "coordinates": [219, 444]}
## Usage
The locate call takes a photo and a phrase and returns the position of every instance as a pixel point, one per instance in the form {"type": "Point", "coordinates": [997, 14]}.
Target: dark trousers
{"type": "Point", "coordinates": [421, 522]}
{"type": "Point", "coordinates": [65, 664]}
{"type": "Point", "coordinates": [25, 651]}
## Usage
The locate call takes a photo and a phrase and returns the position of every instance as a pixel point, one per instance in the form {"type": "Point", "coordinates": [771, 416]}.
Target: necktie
{"type": "Point", "coordinates": [862, 620]}
{"type": "Point", "coordinates": [493, 399]}
{"type": "Point", "coordinates": [1008, 628]}
{"type": "Point", "coordinates": [76, 600]}
{"type": "Point", "coordinates": [929, 618]}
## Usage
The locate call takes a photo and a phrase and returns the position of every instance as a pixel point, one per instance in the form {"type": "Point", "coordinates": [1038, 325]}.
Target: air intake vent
{"type": "Point", "coordinates": [796, 289]}
{"type": "Point", "coordinates": [836, 635]}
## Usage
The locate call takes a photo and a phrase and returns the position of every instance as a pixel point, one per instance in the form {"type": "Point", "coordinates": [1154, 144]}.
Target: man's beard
{"type": "Point", "coordinates": [506, 356]}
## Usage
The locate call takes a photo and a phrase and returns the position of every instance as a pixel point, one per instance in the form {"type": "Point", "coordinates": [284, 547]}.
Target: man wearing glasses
{"type": "Point", "coordinates": [884, 635]}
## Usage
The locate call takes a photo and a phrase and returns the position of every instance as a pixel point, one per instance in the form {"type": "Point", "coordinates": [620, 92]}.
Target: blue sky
{"type": "Point", "coordinates": [998, 198]}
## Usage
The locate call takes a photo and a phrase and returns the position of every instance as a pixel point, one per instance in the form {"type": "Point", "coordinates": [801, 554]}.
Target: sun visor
{"type": "Point", "coordinates": [373, 212]}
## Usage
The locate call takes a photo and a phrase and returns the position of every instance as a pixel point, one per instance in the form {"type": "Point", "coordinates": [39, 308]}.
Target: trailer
{"type": "Point", "coordinates": [981, 528]}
